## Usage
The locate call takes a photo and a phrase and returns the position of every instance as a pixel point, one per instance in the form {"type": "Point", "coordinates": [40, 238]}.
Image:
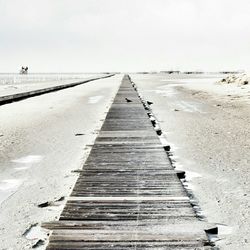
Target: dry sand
{"type": "Point", "coordinates": [38, 151]}
{"type": "Point", "coordinates": [207, 126]}
{"type": "Point", "coordinates": [239, 79]}
{"type": "Point", "coordinates": [13, 84]}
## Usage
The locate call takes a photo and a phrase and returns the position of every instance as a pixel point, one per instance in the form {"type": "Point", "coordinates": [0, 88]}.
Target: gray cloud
{"type": "Point", "coordinates": [126, 35]}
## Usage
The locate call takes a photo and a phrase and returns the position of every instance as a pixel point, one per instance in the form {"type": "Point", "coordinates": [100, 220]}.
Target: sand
{"type": "Point", "coordinates": [38, 151]}
{"type": "Point", "coordinates": [239, 79]}
{"type": "Point", "coordinates": [13, 84]}
{"type": "Point", "coordinates": [207, 126]}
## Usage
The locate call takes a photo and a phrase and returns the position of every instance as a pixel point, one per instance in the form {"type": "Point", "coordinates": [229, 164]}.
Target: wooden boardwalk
{"type": "Point", "coordinates": [128, 195]}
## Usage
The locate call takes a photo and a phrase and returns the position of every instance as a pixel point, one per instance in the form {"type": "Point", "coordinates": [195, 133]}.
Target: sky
{"type": "Point", "coordinates": [124, 35]}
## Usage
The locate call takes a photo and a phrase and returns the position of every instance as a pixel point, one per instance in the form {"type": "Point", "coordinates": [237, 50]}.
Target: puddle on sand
{"type": "Point", "coordinates": [190, 107]}
{"type": "Point", "coordinates": [21, 168]}
{"type": "Point", "coordinates": [186, 106]}
{"type": "Point", "coordinates": [169, 92]}
{"type": "Point", "coordinates": [8, 187]}
{"type": "Point", "coordinates": [26, 162]}
{"type": "Point", "coordinates": [9, 184]}
{"type": "Point", "coordinates": [28, 159]}
{"type": "Point", "coordinates": [166, 91]}
{"type": "Point", "coordinates": [35, 232]}
{"type": "Point", "coordinates": [95, 99]}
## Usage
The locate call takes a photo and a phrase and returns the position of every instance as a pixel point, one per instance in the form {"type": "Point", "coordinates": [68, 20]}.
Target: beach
{"type": "Point", "coordinates": [207, 126]}
{"type": "Point", "coordinates": [44, 139]}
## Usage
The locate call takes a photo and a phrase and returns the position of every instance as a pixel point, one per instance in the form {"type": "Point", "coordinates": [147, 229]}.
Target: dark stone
{"type": "Point", "coordinates": [213, 230]}
{"type": "Point", "coordinates": [181, 174]}
{"type": "Point", "coordinates": [158, 132]}
{"type": "Point", "coordinates": [61, 198]}
{"type": "Point", "coordinates": [167, 148]}
{"type": "Point", "coordinates": [45, 204]}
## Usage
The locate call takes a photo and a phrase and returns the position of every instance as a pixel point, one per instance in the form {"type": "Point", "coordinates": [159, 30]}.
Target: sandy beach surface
{"type": "Point", "coordinates": [42, 139]}
{"type": "Point", "coordinates": [14, 84]}
{"type": "Point", "coordinates": [207, 126]}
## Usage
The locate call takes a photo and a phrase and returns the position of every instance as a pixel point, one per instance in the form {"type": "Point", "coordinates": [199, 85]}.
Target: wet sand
{"type": "Point", "coordinates": [208, 129]}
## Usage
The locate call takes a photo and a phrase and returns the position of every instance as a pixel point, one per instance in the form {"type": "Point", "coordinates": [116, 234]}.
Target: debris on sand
{"type": "Point", "coordinates": [79, 134]}
{"type": "Point", "coordinates": [167, 147]}
{"type": "Point", "coordinates": [213, 230]}
{"type": "Point", "coordinates": [181, 174]}
{"type": "Point", "coordinates": [44, 204]}
{"type": "Point", "coordinates": [38, 243]}
{"type": "Point", "coordinates": [61, 198]}
{"type": "Point", "coordinates": [51, 203]}
{"type": "Point", "coordinates": [241, 79]}
{"type": "Point", "coordinates": [149, 103]}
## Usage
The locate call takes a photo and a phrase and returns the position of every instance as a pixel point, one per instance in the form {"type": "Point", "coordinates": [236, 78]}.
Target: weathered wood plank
{"type": "Point", "coordinates": [127, 195]}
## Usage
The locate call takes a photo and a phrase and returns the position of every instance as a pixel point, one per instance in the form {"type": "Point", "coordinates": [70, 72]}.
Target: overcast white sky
{"type": "Point", "coordinates": [124, 35]}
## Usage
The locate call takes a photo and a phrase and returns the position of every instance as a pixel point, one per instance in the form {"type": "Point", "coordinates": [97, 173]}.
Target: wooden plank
{"type": "Point", "coordinates": [127, 195]}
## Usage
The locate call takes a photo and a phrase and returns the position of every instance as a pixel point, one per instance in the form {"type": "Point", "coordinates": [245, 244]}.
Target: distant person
{"type": "Point", "coordinates": [24, 70]}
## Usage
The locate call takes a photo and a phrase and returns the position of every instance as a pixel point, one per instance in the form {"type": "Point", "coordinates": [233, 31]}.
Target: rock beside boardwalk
{"type": "Point", "coordinates": [241, 79]}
